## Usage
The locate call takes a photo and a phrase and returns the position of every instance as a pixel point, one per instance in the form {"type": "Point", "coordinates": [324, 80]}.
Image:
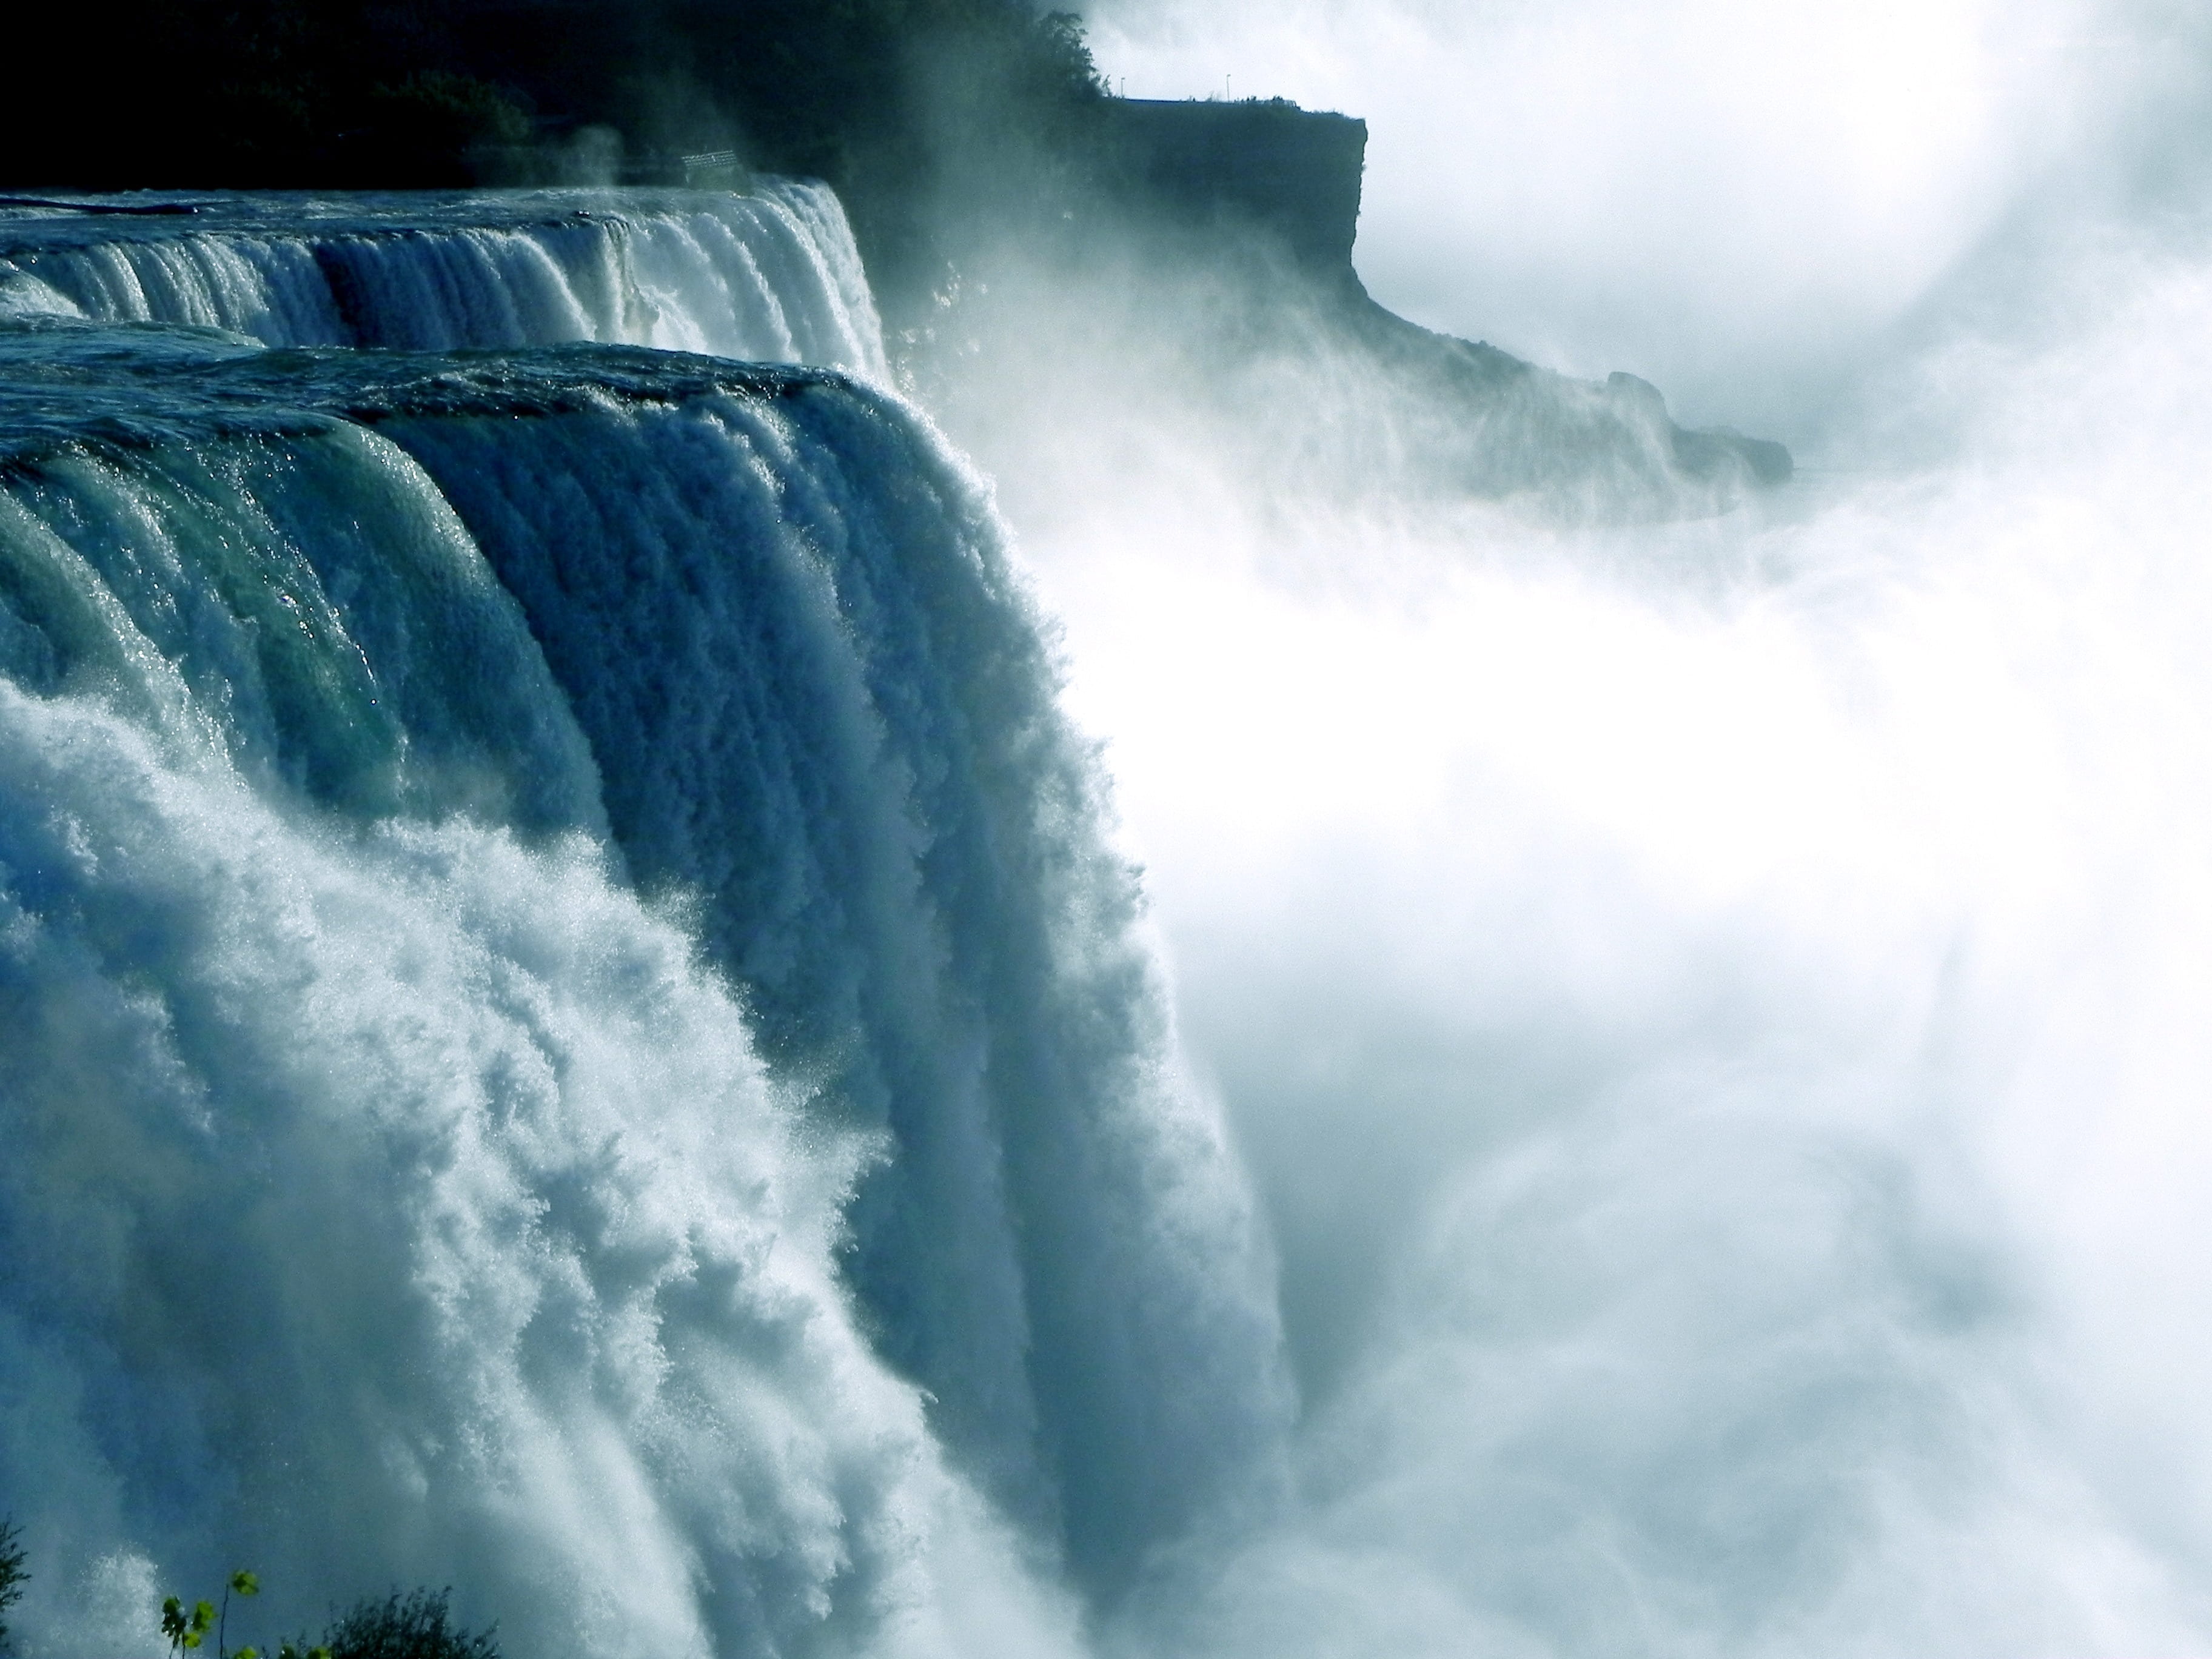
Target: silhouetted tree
{"type": "Point", "coordinates": [411, 1627]}
{"type": "Point", "coordinates": [12, 1575]}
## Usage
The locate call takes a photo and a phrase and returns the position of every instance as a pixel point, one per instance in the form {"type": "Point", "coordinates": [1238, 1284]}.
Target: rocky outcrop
{"type": "Point", "coordinates": [1623, 416]}
{"type": "Point", "coordinates": [1262, 165]}
{"type": "Point", "coordinates": [1271, 192]}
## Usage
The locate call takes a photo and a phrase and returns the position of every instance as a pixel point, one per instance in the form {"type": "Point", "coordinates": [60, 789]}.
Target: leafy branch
{"type": "Point", "coordinates": [188, 1631]}
{"type": "Point", "coordinates": [185, 1632]}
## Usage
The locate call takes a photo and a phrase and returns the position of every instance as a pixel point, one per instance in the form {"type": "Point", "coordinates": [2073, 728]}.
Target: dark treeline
{"type": "Point", "coordinates": [971, 141]}
{"type": "Point", "coordinates": [896, 103]}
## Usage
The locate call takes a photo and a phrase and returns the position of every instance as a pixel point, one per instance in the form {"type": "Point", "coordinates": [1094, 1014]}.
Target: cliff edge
{"type": "Point", "coordinates": [1264, 164]}
{"type": "Point", "coordinates": [1265, 183]}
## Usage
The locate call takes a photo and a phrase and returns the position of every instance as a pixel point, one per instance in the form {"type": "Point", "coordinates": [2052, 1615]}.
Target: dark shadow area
{"type": "Point", "coordinates": [973, 146]}
{"type": "Point", "coordinates": [869, 95]}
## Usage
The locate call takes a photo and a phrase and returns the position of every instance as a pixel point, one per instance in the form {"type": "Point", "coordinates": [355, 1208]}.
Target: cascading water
{"type": "Point", "coordinates": [769, 276]}
{"type": "Point", "coordinates": [574, 1024]}
{"type": "Point", "coordinates": [626, 1079]}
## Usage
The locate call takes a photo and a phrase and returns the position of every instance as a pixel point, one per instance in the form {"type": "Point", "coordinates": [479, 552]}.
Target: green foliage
{"type": "Point", "coordinates": [186, 1631]}
{"type": "Point", "coordinates": [411, 1627]}
{"type": "Point", "coordinates": [12, 1576]}
{"type": "Point", "coordinates": [1061, 56]}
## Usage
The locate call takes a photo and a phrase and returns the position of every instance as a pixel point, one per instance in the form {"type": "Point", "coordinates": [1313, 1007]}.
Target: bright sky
{"type": "Point", "coordinates": [1734, 198]}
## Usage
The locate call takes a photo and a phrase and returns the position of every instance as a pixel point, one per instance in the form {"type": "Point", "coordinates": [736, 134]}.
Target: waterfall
{"type": "Point", "coordinates": [821, 703]}
{"type": "Point", "coordinates": [574, 1027]}
{"type": "Point", "coordinates": [771, 276]}
{"type": "Point", "coordinates": [581, 1017]}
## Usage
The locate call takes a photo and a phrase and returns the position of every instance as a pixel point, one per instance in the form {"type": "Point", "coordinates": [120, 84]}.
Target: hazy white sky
{"type": "Point", "coordinates": [1736, 198]}
{"type": "Point", "coordinates": [1714, 1015]}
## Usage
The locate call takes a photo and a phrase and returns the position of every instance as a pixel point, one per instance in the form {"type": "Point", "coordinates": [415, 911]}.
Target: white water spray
{"type": "Point", "coordinates": [1712, 1017]}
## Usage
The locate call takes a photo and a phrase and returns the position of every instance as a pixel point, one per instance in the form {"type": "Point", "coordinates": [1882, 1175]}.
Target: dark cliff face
{"type": "Point", "coordinates": [418, 93]}
{"type": "Point", "coordinates": [963, 135]}
{"type": "Point", "coordinates": [1268, 164]}
{"type": "Point", "coordinates": [1262, 197]}
{"type": "Point", "coordinates": [1213, 242]}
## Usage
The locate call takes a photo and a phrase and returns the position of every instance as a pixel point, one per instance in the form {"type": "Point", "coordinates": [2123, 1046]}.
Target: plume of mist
{"type": "Point", "coordinates": [1709, 1007]}
{"type": "Point", "coordinates": [1711, 1015]}
{"type": "Point", "coordinates": [1734, 201]}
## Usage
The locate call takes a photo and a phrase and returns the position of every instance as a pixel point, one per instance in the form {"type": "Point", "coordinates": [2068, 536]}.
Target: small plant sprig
{"type": "Point", "coordinates": [185, 1631]}
{"type": "Point", "coordinates": [188, 1631]}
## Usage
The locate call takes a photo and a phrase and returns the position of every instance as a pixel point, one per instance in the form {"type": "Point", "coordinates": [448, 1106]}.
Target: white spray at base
{"type": "Point", "coordinates": [359, 1188]}
{"type": "Point", "coordinates": [393, 1197]}
{"type": "Point", "coordinates": [1716, 1019]}
{"type": "Point", "coordinates": [1713, 1017]}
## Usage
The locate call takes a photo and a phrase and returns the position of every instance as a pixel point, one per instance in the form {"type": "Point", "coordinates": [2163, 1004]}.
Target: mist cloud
{"type": "Point", "coordinates": [1711, 1010]}
{"type": "Point", "coordinates": [1735, 201]}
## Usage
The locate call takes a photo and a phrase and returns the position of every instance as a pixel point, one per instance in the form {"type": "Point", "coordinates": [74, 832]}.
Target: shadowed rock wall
{"type": "Point", "coordinates": [1294, 172]}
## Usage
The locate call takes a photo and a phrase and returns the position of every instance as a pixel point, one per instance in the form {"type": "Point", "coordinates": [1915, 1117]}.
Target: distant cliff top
{"type": "Point", "coordinates": [1264, 162]}
{"type": "Point", "coordinates": [950, 129]}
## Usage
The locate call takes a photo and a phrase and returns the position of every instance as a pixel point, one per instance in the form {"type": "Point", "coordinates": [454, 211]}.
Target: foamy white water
{"type": "Point", "coordinates": [770, 276]}
{"type": "Point", "coordinates": [574, 1029]}
{"type": "Point", "coordinates": [1713, 1015]}
{"type": "Point", "coordinates": [578, 1023]}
